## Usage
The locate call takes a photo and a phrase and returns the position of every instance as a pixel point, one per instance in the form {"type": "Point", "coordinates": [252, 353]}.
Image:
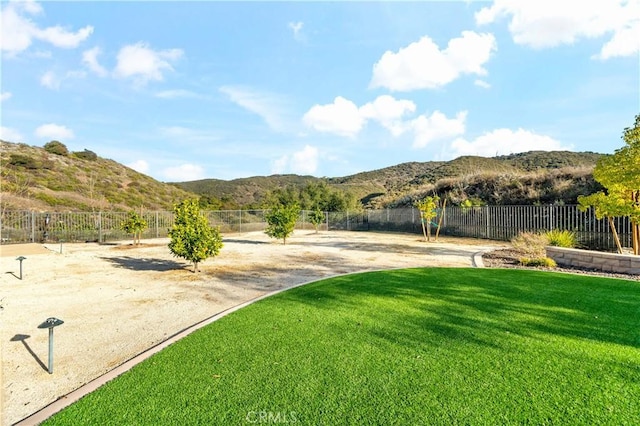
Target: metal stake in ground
{"type": "Point", "coordinates": [50, 323]}
{"type": "Point", "coordinates": [20, 258]}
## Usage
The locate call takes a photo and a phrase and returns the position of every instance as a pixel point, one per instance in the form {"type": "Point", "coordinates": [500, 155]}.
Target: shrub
{"type": "Point", "coordinates": [20, 160]}
{"type": "Point", "coordinates": [51, 200]}
{"type": "Point", "coordinates": [57, 148]}
{"type": "Point", "coordinates": [472, 202]}
{"type": "Point", "coordinates": [562, 238]}
{"type": "Point", "coordinates": [86, 155]}
{"type": "Point", "coordinates": [546, 262]}
{"type": "Point", "coordinates": [530, 244]}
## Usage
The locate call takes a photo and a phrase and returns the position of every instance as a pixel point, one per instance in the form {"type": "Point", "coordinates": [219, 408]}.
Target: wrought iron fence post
{"type": "Point", "coordinates": [33, 227]}
{"type": "Point", "coordinates": [486, 212]}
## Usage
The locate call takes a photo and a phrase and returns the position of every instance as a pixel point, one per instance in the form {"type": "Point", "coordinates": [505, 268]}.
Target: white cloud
{"type": "Point", "coordinates": [76, 74]}
{"type": "Point", "coordinates": [10, 135]}
{"type": "Point", "coordinates": [50, 80]}
{"type": "Point", "coordinates": [625, 42]}
{"type": "Point", "coordinates": [269, 106]}
{"type": "Point", "coordinates": [90, 59]}
{"type": "Point", "coordinates": [54, 132]}
{"type": "Point", "coordinates": [344, 118]}
{"type": "Point", "coordinates": [436, 127]}
{"type": "Point", "coordinates": [389, 112]}
{"type": "Point", "coordinates": [542, 24]}
{"type": "Point", "coordinates": [60, 37]}
{"type": "Point", "coordinates": [175, 94]}
{"type": "Point", "coordinates": [184, 172]}
{"type": "Point", "coordinates": [186, 134]}
{"type": "Point", "coordinates": [296, 27]}
{"type": "Point", "coordinates": [139, 166]}
{"type": "Point", "coordinates": [44, 54]}
{"type": "Point", "coordinates": [503, 142]}
{"type": "Point", "coordinates": [422, 65]}
{"type": "Point", "coordinates": [303, 162]}
{"type": "Point", "coordinates": [18, 30]}
{"type": "Point", "coordinates": [5, 96]}
{"type": "Point", "coordinates": [482, 83]}
{"type": "Point", "coordinates": [341, 117]}
{"type": "Point", "coordinates": [279, 166]}
{"type": "Point", "coordinates": [143, 64]}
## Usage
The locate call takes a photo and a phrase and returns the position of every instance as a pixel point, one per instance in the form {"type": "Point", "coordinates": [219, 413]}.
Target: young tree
{"type": "Point", "coordinates": [620, 175]}
{"type": "Point", "coordinates": [135, 225]}
{"type": "Point", "coordinates": [281, 220]}
{"type": "Point", "coordinates": [428, 210]}
{"type": "Point", "coordinates": [191, 236]}
{"type": "Point", "coordinates": [608, 206]}
{"type": "Point", "coordinates": [316, 217]}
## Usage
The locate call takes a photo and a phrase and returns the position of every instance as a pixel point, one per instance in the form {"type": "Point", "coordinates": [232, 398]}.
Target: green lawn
{"type": "Point", "coordinates": [406, 347]}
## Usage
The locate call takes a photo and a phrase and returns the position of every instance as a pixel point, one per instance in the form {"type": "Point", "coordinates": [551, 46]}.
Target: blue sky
{"type": "Point", "coordinates": [191, 90]}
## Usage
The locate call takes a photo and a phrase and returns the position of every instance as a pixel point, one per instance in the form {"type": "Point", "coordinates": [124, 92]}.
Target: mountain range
{"type": "Point", "coordinates": [34, 178]}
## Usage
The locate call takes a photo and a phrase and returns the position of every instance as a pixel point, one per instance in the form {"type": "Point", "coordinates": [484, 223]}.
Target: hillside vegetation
{"type": "Point", "coordinates": [33, 178]}
{"type": "Point", "coordinates": [535, 177]}
{"type": "Point", "coordinates": [47, 180]}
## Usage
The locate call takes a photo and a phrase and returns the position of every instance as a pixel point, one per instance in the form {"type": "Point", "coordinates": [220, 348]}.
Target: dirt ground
{"type": "Point", "coordinates": [118, 300]}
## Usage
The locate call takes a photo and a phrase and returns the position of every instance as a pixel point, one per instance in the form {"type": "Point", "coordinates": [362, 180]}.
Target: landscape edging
{"type": "Point", "coordinates": [601, 261]}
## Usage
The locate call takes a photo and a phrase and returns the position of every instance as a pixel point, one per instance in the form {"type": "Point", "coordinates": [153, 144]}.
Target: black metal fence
{"type": "Point", "coordinates": [488, 222]}
{"type": "Point", "coordinates": [493, 222]}
{"type": "Point", "coordinates": [102, 227]}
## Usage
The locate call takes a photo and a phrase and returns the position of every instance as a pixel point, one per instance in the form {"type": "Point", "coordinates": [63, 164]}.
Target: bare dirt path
{"type": "Point", "coordinates": [118, 300]}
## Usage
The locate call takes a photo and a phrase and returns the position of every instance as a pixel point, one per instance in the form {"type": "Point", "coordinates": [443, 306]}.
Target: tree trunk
{"type": "Point", "coordinates": [616, 238]}
{"type": "Point", "coordinates": [424, 231]}
{"type": "Point", "coordinates": [635, 226]}
{"type": "Point", "coordinates": [444, 205]}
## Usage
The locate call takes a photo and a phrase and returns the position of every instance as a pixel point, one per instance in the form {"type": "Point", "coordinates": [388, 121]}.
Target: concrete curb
{"type": "Point", "coordinates": [74, 396]}
{"type": "Point", "coordinates": [476, 259]}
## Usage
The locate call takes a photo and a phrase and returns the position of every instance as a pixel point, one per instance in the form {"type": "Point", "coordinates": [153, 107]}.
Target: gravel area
{"type": "Point", "coordinates": [508, 258]}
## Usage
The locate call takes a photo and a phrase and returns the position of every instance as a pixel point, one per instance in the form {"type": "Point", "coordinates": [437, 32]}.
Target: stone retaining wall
{"type": "Point", "coordinates": [607, 262]}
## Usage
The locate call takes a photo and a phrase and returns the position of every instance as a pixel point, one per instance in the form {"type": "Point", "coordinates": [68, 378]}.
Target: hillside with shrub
{"type": "Point", "coordinates": [51, 178]}
{"type": "Point", "coordinates": [535, 177]}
